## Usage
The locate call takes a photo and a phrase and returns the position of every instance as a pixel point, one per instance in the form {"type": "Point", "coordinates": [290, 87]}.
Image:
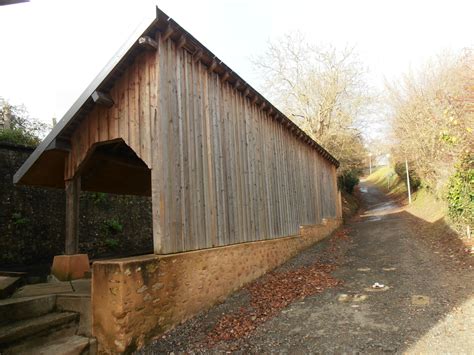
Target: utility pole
{"type": "Point", "coordinates": [370, 163]}
{"type": "Point", "coordinates": [408, 181]}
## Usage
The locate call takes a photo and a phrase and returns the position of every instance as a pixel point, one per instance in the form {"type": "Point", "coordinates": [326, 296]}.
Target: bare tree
{"type": "Point", "coordinates": [321, 89]}
{"type": "Point", "coordinates": [432, 116]}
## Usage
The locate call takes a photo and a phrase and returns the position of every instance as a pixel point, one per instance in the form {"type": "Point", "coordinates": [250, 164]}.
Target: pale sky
{"type": "Point", "coordinates": [52, 49]}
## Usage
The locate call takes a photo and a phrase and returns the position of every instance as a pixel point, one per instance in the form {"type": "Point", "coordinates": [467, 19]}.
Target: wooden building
{"type": "Point", "coordinates": [167, 119]}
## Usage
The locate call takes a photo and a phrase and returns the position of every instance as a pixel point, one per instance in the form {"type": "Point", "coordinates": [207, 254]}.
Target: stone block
{"type": "Point", "coordinates": [70, 267]}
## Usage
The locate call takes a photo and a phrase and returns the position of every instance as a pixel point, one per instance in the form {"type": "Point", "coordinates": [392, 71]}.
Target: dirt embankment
{"type": "Point", "coordinates": [424, 207]}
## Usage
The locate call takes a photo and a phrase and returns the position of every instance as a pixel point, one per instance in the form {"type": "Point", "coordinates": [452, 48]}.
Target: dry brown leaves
{"type": "Point", "coordinates": [342, 235]}
{"type": "Point", "coordinates": [269, 295]}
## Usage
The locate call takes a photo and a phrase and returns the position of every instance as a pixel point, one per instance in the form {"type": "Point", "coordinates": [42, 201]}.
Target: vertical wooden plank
{"type": "Point", "coordinates": [158, 166]}
{"type": "Point", "coordinates": [124, 114]}
{"type": "Point", "coordinates": [189, 235]}
{"type": "Point", "coordinates": [164, 125]}
{"type": "Point", "coordinates": [253, 175]}
{"type": "Point", "coordinates": [114, 116]}
{"type": "Point", "coordinates": [248, 143]}
{"type": "Point", "coordinates": [261, 179]}
{"type": "Point", "coordinates": [228, 147]}
{"type": "Point", "coordinates": [219, 112]}
{"type": "Point", "coordinates": [175, 156]}
{"type": "Point", "coordinates": [83, 139]}
{"type": "Point", "coordinates": [73, 190]}
{"type": "Point", "coordinates": [203, 179]}
{"type": "Point", "coordinates": [144, 107]}
{"type": "Point", "coordinates": [267, 176]}
{"type": "Point", "coordinates": [102, 113]}
{"type": "Point", "coordinates": [243, 144]}
{"type": "Point", "coordinates": [209, 157]}
{"type": "Point", "coordinates": [238, 237]}
{"type": "Point", "coordinates": [93, 126]}
{"type": "Point", "coordinates": [133, 108]}
{"type": "Point", "coordinates": [180, 150]}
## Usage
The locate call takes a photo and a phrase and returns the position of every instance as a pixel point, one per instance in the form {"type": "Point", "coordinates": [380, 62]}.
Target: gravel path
{"type": "Point", "coordinates": [426, 304]}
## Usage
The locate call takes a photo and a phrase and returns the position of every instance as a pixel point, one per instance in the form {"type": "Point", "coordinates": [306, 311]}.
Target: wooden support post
{"type": "Point", "coordinates": [73, 189]}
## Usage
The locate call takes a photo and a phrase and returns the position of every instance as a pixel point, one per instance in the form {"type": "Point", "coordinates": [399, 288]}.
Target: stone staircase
{"type": "Point", "coordinates": [46, 324]}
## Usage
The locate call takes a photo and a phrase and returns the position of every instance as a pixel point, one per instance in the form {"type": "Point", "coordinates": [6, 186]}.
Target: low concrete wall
{"type": "Point", "coordinates": [136, 299]}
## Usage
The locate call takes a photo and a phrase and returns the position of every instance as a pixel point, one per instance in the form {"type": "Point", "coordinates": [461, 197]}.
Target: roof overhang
{"type": "Point", "coordinates": [54, 147]}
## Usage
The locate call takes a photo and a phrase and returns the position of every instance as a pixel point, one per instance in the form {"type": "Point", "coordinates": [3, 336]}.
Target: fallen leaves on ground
{"type": "Point", "coordinates": [342, 235]}
{"type": "Point", "coordinates": [269, 295]}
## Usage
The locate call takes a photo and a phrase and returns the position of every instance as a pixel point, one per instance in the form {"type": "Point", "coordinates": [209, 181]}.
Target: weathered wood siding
{"type": "Point", "coordinates": [130, 118]}
{"type": "Point", "coordinates": [223, 170]}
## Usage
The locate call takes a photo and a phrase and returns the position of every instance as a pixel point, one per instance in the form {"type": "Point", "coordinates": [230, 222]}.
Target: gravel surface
{"type": "Point", "coordinates": [425, 302]}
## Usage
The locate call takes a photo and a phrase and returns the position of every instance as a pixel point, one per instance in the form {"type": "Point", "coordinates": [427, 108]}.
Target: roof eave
{"type": "Point", "coordinates": [148, 25]}
{"type": "Point", "coordinates": [145, 26]}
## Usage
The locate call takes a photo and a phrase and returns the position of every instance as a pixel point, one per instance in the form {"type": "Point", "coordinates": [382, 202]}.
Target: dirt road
{"type": "Point", "coordinates": [426, 304]}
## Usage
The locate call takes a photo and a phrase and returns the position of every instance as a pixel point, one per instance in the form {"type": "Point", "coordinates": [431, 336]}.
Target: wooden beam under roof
{"type": "Point", "coordinates": [148, 43]}
{"type": "Point", "coordinates": [60, 144]}
{"type": "Point", "coordinates": [101, 98]}
{"type": "Point", "coordinates": [181, 41]}
{"type": "Point", "coordinates": [213, 66]}
{"type": "Point", "coordinates": [167, 33]}
{"type": "Point", "coordinates": [197, 55]}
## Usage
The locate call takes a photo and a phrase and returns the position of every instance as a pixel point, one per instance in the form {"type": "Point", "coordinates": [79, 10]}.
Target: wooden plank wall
{"type": "Point", "coordinates": [224, 171]}
{"type": "Point", "coordinates": [130, 118]}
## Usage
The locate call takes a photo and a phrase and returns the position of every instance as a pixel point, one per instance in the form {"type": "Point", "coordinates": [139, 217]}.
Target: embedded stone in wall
{"type": "Point", "coordinates": [135, 299]}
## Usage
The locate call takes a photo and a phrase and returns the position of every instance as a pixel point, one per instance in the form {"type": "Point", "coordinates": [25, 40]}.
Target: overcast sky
{"type": "Point", "coordinates": [52, 49]}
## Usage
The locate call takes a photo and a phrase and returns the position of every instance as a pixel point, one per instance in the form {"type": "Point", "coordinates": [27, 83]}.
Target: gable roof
{"type": "Point", "coordinates": [105, 80]}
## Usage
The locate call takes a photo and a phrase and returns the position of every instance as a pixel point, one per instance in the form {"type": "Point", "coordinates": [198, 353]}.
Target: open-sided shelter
{"type": "Point", "coordinates": [223, 166]}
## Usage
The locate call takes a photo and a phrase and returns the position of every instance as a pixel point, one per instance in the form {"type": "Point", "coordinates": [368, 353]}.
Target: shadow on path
{"type": "Point", "coordinates": [426, 304]}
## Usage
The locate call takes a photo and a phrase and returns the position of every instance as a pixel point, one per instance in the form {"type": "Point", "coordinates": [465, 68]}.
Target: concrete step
{"type": "Point", "coordinates": [16, 309]}
{"type": "Point", "coordinates": [36, 327]}
{"type": "Point", "coordinates": [72, 345]}
{"type": "Point", "coordinates": [78, 304]}
{"type": "Point", "coordinates": [76, 287]}
{"type": "Point", "coordinates": [8, 285]}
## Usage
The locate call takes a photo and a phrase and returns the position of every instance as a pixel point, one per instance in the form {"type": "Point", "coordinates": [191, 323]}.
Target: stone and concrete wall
{"type": "Point", "coordinates": [138, 298]}
{"type": "Point", "coordinates": [32, 219]}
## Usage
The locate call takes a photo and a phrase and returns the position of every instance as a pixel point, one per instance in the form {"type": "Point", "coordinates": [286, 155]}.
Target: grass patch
{"type": "Point", "coordinates": [387, 180]}
{"type": "Point", "coordinates": [426, 206]}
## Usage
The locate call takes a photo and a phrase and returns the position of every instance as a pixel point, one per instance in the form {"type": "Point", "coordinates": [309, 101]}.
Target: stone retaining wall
{"type": "Point", "coordinates": [138, 298]}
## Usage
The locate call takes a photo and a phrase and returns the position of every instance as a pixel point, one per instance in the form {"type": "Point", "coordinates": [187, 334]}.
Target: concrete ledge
{"type": "Point", "coordinates": [70, 267]}
{"type": "Point", "coordinates": [135, 299]}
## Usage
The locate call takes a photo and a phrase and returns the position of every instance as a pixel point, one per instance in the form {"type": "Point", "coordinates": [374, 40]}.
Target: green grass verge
{"type": "Point", "coordinates": [387, 179]}
{"type": "Point", "coordinates": [424, 204]}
